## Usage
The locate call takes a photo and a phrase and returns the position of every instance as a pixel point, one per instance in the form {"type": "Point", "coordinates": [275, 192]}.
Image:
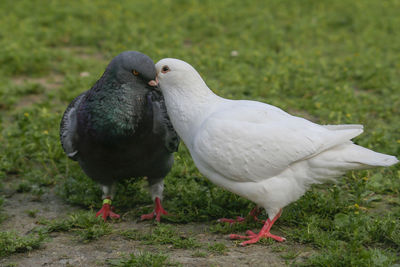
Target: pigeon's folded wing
{"type": "Point", "coordinates": [253, 142]}
{"type": "Point", "coordinates": [68, 128]}
{"type": "Point", "coordinates": [161, 122]}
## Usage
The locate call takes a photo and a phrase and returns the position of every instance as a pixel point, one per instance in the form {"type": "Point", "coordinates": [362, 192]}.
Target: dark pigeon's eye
{"type": "Point", "coordinates": [165, 69]}
{"type": "Point", "coordinates": [135, 72]}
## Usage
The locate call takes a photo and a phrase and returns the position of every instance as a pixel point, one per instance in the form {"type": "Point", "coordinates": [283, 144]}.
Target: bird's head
{"type": "Point", "coordinates": [132, 66]}
{"type": "Point", "coordinates": [175, 74]}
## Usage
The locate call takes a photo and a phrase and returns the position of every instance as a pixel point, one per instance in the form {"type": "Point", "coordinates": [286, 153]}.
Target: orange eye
{"type": "Point", "coordinates": [135, 73]}
{"type": "Point", "coordinates": [165, 69]}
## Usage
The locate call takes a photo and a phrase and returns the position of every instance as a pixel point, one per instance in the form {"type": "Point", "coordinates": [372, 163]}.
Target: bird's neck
{"type": "Point", "coordinates": [188, 109]}
{"type": "Point", "coordinates": [112, 113]}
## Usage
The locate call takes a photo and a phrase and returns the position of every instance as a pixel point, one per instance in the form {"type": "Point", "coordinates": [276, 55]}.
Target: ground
{"type": "Point", "coordinates": [63, 249]}
{"type": "Point", "coordinates": [332, 62]}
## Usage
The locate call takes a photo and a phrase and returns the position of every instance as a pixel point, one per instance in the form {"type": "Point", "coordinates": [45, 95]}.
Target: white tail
{"type": "Point", "coordinates": [337, 160]}
{"type": "Point", "coordinates": [370, 158]}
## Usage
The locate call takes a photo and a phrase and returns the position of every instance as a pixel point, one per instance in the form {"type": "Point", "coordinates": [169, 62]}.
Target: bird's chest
{"type": "Point", "coordinates": [114, 117]}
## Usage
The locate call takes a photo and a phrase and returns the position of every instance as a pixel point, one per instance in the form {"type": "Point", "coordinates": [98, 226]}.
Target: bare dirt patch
{"type": "Point", "coordinates": [83, 52]}
{"type": "Point", "coordinates": [49, 82]}
{"type": "Point", "coordinates": [65, 249]}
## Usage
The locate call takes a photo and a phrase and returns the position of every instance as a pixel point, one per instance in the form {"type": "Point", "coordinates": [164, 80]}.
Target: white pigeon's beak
{"type": "Point", "coordinates": [153, 83]}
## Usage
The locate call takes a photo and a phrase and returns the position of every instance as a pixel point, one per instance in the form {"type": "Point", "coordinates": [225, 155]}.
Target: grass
{"type": "Point", "coordinates": [32, 213]}
{"type": "Point", "coordinates": [145, 259]}
{"type": "Point", "coordinates": [217, 248]}
{"type": "Point", "coordinates": [332, 62]}
{"type": "Point", "coordinates": [163, 235]}
{"type": "Point", "coordinates": [86, 226]}
{"type": "Point", "coordinates": [2, 216]}
{"type": "Point", "coordinates": [11, 242]}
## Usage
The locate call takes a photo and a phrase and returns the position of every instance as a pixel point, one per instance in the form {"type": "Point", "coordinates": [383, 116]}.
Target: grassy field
{"type": "Point", "coordinates": [329, 61]}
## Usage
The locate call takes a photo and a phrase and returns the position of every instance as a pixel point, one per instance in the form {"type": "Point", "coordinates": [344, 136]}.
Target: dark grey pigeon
{"type": "Point", "coordinates": [120, 129]}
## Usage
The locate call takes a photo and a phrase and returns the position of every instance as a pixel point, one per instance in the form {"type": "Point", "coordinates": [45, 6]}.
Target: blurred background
{"type": "Point", "coordinates": [328, 61]}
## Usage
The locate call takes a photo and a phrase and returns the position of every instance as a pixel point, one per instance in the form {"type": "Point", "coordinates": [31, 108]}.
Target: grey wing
{"type": "Point", "coordinates": [172, 138]}
{"type": "Point", "coordinates": [162, 123]}
{"type": "Point", "coordinates": [68, 128]}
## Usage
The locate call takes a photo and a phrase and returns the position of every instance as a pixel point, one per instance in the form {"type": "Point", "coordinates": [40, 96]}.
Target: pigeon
{"type": "Point", "coordinates": [120, 129]}
{"type": "Point", "coordinates": [257, 150]}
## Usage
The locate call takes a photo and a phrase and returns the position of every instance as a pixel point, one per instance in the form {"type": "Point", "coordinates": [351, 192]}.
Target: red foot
{"type": "Point", "coordinates": [158, 211]}
{"type": "Point", "coordinates": [237, 220]}
{"type": "Point", "coordinates": [265, 232]}
{"type": "Point", "coordinates": [253, 214]}
{"type": "Point", "coordinates": [106, 210]}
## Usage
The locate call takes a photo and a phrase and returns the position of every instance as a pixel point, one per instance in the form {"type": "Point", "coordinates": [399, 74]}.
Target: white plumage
{"type": "Point", "coordinates": [254, 149]}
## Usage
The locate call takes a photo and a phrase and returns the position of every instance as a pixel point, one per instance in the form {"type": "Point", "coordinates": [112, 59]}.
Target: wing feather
{"type": "Point", "coordinates": [68, 128]}
{"type": "Point", "coordinates": [253, 142]}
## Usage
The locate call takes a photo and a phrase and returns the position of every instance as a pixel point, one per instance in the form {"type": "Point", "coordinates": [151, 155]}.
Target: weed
{"type": "Point", "coordinates": [199, 254]}
{"type": "Point", "coordinates": [85, 224]}
{"type": "Point", "coordinates": [2, 216]}
{"type": "Point", "coordinates": [217, 248]}
{"type": "Point", "coordinates": [352, 255]}
{"type": "Point", "coordinates": [290, 255]}
{"type": "Point", "coordinates": [278, 248]}
{"type": "Point", "coordinates": [32, 213]}
{"type": "Point", "coordinates": [23, 187]}
{"type": "Point", "coordinates": [11, 242]}
{"type": "Point", "coordinates": [131, 234]}
{"type": "Point", "coordinates": [145, 259]}
{"type": "Point", "coordinates": [334, 62]}
{"type": "Point", "coordinates": [161, 235]}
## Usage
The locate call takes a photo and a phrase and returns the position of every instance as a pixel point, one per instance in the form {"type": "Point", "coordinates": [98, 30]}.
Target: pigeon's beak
{"type": "Point", "coordinates": [154, 82]}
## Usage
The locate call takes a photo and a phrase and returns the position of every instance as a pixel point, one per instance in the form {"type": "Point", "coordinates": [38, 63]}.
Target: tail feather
{"type": "Point", "coordinates": [341, 135]}
{"type": "Point", "coordinates": [343, 127]}
{"type": "Point", "coordinates": [323, 167]}
{"type": "Point", "coordinates": [350, 154]}
{"type": "Point", "coordinates": [367, 158]}
{"type": "Point", "coordinates": [336, 161]}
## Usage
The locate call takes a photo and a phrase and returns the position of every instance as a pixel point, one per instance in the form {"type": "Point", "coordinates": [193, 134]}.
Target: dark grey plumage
{"type": "Point", "coordinates": [120, 128]}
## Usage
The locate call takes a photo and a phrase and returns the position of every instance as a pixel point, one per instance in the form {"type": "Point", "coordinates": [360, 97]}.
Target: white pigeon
{"type": "Point", "coordinates": [256, 150]}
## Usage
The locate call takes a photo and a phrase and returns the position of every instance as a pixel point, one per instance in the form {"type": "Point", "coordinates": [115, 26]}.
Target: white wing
{"type": "Point", "coordinates": [252, 141]}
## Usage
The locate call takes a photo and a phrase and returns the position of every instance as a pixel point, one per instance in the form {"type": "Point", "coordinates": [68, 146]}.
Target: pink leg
{"type": "Point", "coordinates": [253, 213]}
{"type": "Point", "coordinates": [105, 211]}
{"type": "Point", "coordinates": [158, 211]}
{"type": "Point", "coordinates": [265, 232]}
{"type": "Point", "coordinates": [237, 220]}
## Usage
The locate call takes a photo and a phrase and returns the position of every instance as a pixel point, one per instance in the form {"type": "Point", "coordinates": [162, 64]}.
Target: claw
{"type": "Point", "coordinates": [253, 214]}
{"type": "Point", "coordinates": [235, 236]}
{"type": "Point", "coordinates": [106, 210]}
{"type": "Point", "coordinates": [264, 233]}
{"type": "Point", "coordinates": [158, 211]}
{"type": "Point", "coordinates": [237, 220]}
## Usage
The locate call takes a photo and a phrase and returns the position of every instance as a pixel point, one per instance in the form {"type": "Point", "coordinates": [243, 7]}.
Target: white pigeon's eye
{"type": "Point", "coordinates": [165, 69]}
